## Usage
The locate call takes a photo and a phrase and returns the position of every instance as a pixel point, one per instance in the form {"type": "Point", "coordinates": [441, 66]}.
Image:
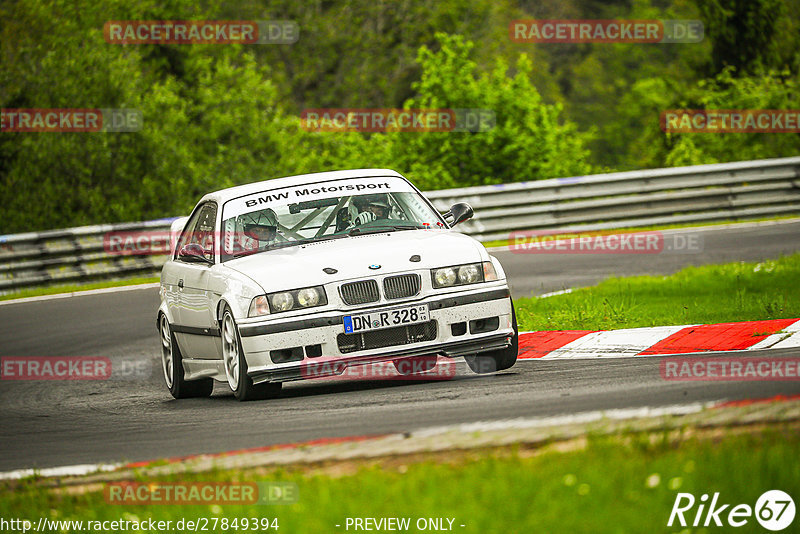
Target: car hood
{"type": "Point", "coordinates": [303, 265]}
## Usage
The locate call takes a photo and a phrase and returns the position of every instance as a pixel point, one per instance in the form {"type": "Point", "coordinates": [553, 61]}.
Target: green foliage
{"type": "Point", "coordinates": [210, 127]}
{"type": "Point", "coordinates": [621, 88]}
{"type": "Point", "coordinates": [749, 59]}
{"type": "Point", "coordinates": [214, 117]}
{"type": "Point", "coordinates": [362, 53]}
{"type": "Point", "coordinates": [746, 34]}
{"type": "Point", "coordinates": [529, 142]}
{"type": "Point", "coordinates": [220, 115]}
{"type": "Point", "coordinates": [773, 90]}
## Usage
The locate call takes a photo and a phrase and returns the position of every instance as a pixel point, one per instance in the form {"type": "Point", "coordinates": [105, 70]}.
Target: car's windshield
{"type": "Point", "coordinates": [295, 215]}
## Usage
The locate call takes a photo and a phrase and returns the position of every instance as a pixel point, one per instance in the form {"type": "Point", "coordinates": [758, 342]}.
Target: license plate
{"type": "Point", "coordinates": [378, 319]}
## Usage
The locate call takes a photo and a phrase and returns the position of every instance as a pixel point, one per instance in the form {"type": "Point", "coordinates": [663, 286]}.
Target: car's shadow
{"type": "Point", "coordinates": [317, 387]}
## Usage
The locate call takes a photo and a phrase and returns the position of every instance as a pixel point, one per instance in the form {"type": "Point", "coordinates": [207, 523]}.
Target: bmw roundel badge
{"type": "Point", "coordinates": [374, 267]}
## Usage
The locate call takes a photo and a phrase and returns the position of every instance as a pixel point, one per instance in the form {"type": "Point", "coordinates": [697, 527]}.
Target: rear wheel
{"type": "Point", "coordinates": [172, 365]}
{"type": "Point", "coordinates": [236, 365]}
{"type": "Point", "coordinates": [498, 360]}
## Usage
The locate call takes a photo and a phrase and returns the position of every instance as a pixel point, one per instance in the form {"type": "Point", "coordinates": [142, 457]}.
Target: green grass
{"type": "Point", "coordinates": [506, 242]}
{"type": "Point", "coordinates": [705, 294]}
{"type": "Point", "coordinates": [614, 484]}
{"type": "Point", "coordinates": [69, 288]}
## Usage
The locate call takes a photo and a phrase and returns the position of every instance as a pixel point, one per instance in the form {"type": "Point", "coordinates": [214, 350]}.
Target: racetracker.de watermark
{"type": "Point", "coordinates": [690, 369]}
{"type": "Point", "coordinates": [141, 242]}
{"type": "Point", "coordinates": [163, 242]}
{"type": "Point", "coordinates": [143, 32]}
{"type": "Point", "coordinates": [604, 242]}
{"type": "Point", "coordinates": [417, 368]}
{"type": "Point", "coordinates": [74, 368]}
{"type": "Point", "coordinates": [730, 120]}
{"type": "Point", "coordinates": [200, 493]}
{"type": "Point", "coordinates": [70, 120]}
{"type": "Point", "coordinates": [605, 31]}
{"type": "Point", "coordinates": [397, 120]}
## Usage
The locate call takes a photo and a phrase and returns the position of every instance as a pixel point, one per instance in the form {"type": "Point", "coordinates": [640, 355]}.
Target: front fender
{"type": "Point", "coordinates": [498, 267]}
{"type": "Point", "coordinates": [235, 290]}
{"type": "Point", "coordinates": [163, 309]}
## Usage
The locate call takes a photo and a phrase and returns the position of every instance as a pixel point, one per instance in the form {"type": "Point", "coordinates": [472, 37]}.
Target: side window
{"type": "Point", "coordinates": [200, 230]}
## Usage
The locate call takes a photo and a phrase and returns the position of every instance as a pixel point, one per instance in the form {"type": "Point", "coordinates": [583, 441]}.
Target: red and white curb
{"type": "Point", "coordinates": [659, 340]}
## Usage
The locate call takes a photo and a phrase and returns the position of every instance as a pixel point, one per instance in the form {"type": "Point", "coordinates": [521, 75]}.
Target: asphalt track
{"type": "Point", "coordinates": [53, 423]}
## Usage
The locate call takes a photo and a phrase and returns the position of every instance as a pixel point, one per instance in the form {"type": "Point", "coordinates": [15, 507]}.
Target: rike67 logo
{"type": "Point", "coordinates": [774, 510]}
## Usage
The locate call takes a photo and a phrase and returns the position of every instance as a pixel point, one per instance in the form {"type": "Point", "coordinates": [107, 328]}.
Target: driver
{"type": "Point", "coordinates": [377, 207]}
{"type": "Point", "coordinates": [260, 226]}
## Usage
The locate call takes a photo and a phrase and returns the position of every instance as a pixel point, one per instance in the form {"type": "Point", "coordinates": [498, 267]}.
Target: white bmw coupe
{"type": "Point", "coordinates": [306, 276]}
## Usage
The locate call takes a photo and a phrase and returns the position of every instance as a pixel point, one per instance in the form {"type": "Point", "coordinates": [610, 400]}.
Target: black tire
{"type": "Point", "coordinates": [172, 366]}
{"type": "Point", "coordinates": [498, 360]}
{"type": "Point", "coordinates": [236, 364]}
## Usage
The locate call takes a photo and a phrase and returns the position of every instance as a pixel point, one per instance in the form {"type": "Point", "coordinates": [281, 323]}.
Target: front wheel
{"type": "Point", "coordinates": [236, 365]}
{"type": "Point", "coordinates": [172, 365]}
{"type": "Point", "coordinates": [498, 360]}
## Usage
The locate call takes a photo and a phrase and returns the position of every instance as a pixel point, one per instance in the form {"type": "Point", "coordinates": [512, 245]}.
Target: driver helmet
{"type": "Point", "coordinates": [260, 225]}
{"type": "Point", "coordinates": [359, 202]}
{"type": "Point", "coordinates": [378, 205]}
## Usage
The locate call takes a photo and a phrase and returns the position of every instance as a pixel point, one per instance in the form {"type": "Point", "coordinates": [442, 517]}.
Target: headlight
{"type": "Point", "coordinates": [258, 306]}
{"type": "Point", "coordinates": [281, 301]}
{"type": "Point", "coordinates": [444, 277]}
{"type": "Point", "coordinates": [307, 297]}
{"type": "Point", "coordinates": [468, 274]}
{"type": "Point", "coordinates": [457, 275]}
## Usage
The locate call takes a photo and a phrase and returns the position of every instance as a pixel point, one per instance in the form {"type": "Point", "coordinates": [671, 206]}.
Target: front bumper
{"type": "Point", "coordinates": [323, 330]}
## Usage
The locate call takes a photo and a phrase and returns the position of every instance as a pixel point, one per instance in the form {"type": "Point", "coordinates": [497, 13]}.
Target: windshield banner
{"type": "Point", "coordinates": [315, 191]}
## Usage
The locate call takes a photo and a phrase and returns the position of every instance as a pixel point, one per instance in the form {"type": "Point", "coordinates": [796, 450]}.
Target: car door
{"type": "Point", "coordinates": [173, 269]}
{"type": "Point", "coordinates": [196, 327]}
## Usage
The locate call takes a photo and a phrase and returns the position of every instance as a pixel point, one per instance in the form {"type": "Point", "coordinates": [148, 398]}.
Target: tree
{"type": "Point", "coordinates": [745, 34]}
{"type": "Point", "coordinates": [530, 141]}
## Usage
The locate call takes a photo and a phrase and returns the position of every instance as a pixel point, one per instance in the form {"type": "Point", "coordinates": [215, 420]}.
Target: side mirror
{"type": "Point", "coordinates": [459, 212]}
{"type": "Point", "coordinates": [193, 253]}
{"type": "Point", "coordinates": [175, 230]}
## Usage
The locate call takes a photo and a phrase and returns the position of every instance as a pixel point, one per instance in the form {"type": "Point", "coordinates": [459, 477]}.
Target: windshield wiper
{"type": "Point", "coordinates": [241, 254]}
{"type": "Point", "coordinates": [380, 229]}
{"type": "Point", "coordinates": [303, 241]}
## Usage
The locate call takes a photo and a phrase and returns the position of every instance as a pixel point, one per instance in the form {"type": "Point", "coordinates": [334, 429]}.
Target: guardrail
{"type": "Point", "coordinates": [72, 255]}
{"type": "Point", "coordinates": [704, 193]}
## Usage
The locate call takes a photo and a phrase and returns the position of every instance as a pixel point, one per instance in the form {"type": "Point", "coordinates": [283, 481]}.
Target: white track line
{"type": "Point", "coordinates": [80, 293]}
{"type": "Point", "coordinates": [571, 419]}
{"type": "Point", "coordinates": [65, 471]}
